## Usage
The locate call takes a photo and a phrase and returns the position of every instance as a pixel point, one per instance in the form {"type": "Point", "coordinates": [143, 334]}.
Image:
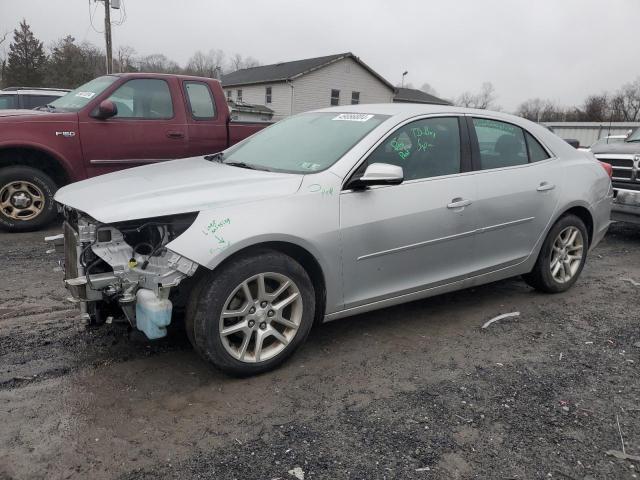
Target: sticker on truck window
{"type": "Point", "coordinates": [85, 94]}
{"type": "Point", "coordinates": [353, 117]}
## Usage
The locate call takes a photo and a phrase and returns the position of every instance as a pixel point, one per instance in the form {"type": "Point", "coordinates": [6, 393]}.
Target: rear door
{"type": "Point", "coordinates": [207, 127]}
{"type": "Point", "coordinates": [149, 127]}
{"type": "Point", "coordinates": [518, 183]}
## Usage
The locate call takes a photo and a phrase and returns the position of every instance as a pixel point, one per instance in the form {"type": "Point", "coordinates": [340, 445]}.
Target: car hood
{"type": "Point", "coordinates": [171, 188]}
{"type": "Point", "coordinates": [620, 147]}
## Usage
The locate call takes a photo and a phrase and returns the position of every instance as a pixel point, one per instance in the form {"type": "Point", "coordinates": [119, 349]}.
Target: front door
{"type": "Point", "coordinates": [518, 184]}
{"type": "Point", "coordinates": [403, 238]}
{"type": "Point", "coordinates": [146, 129]}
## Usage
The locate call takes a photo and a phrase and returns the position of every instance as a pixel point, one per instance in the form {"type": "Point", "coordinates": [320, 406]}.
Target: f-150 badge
{"type": "Point", "coordinates": [65, 134]}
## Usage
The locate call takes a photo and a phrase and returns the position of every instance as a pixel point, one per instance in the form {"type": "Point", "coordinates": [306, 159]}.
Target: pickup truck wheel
{"type": "Point", "coordinates": [253, 313]}
{"type": "Point", "coordinates": [26, 199]}
{"type": "Point", "coordinates": [562, 256]}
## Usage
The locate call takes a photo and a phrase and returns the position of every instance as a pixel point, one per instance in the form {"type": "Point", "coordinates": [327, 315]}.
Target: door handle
{"type": "Point", "coordinates": [544, 186]}
{"type": "Point", "coordinates": [175, 134]}
{"type": "Point", "coordinates": [459, 203]}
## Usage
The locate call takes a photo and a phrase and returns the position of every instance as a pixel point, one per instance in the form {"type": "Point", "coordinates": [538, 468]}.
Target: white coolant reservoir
{"type": "Point", "coordinates": [153, 313]}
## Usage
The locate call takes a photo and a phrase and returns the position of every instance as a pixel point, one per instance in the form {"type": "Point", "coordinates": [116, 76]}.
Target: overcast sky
{"type": "Point", "coordinates": [557, 49]}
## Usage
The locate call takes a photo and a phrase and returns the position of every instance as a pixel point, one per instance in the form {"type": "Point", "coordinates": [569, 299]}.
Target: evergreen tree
{"type": "Point", "coordinates": [26, 61]}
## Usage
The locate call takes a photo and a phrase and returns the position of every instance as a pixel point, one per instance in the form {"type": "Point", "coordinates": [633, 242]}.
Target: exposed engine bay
{"type": "Point", "coordinates": [125, 270]}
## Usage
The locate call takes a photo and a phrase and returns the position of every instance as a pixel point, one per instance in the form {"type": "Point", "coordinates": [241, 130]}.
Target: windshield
{"type": "Point", "coordinates": [306, 143]}
{"type": "Point", "coordinates": [78, 98]}
{"type": "Point", "coordinates": [635, 136]}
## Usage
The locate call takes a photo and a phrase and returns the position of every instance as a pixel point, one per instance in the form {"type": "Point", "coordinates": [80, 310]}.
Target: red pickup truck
{"type": "Point", "coordinates": [110, 123]}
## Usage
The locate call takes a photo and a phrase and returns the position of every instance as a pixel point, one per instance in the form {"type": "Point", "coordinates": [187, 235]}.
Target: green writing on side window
{"type": "Point", "coordinates": [423, 132]}
{"type": "Point", "coordinates": [423, 145]}
{"type": "Point", "coordinates": [402, 149]}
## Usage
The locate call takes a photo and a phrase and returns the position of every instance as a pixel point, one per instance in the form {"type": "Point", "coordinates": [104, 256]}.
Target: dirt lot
{"type": "Point", "coordinates": [416, 391]}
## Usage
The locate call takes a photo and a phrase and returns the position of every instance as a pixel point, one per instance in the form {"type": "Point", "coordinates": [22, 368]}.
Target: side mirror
{"type": "Point", "coordinates": [378, 174]}
{"type": "Point", "coordinates": [106, 109]}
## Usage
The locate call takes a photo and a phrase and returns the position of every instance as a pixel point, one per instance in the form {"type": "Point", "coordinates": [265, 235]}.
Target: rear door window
{"type": "Point", "coordinates": [200, 100]}
{"type": "Point", "coordinates": [501, 144]}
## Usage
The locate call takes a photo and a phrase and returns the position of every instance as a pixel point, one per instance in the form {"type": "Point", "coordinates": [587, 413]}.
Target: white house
{"type": "Point", "coordinates": [292, 87]}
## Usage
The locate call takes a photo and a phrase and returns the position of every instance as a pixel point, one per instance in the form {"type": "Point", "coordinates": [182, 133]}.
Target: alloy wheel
{"type": "Point", "coordinates": [260, 317]}
{"type": "Point", "coordinates": [566, 255]}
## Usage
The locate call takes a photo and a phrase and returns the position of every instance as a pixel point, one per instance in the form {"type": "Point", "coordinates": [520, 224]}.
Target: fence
{"type": "Point", "coordinates": [588, 132]}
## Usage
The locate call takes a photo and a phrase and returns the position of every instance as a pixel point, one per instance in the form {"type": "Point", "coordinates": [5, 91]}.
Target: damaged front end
{"type": "Point", "coordinates": [125, 269]}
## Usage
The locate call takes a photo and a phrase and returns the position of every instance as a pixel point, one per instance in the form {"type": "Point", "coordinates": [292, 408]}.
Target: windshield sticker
{"type": "Point", "coordinates": [310, 166]}
{"type": "Point", "coordinates": [353, 117]}
{"type": "Point", "coordinates": [85, 94]}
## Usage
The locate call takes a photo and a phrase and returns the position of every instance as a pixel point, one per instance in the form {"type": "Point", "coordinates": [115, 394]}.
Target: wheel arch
{"type": "Point", "coordinates": [584, 214]}
{"type": "Point", "coordinates": [38, 157]}
{"type": "Point", "coordinates": [303, 256]}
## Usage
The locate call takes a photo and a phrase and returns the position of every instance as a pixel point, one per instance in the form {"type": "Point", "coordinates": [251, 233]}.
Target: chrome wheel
{"type": "Point", "coordinates": [260, 317]}
{"type": "Point", "coordinates": [566, 257]}
{"type": "Point", "coordinates": [21, 200]}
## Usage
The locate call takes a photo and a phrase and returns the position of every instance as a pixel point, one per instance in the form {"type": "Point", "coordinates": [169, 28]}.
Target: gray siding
{"type": "Point", "coordinates": [313, 90]}
{"type": "Point", "coordinates": [255, 94]}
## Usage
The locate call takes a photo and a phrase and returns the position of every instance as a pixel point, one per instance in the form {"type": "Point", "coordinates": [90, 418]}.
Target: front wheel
{"type": "Point", "coordinates": [26, 199]}
{"type": "Point", "coordinates": [250, 315]}
{"type": "Point", "coordinates": [562, 256]}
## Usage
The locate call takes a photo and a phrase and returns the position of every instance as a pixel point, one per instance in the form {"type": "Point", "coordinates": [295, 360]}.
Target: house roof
{"type": "Point", "coordinates": [281, 72]}
{"type": "Point", "coordinates": [412, 95]}
{"type": "Point", "coordinates": [249, 107]}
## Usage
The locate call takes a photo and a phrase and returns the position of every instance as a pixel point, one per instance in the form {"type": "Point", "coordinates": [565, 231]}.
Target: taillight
{"type": "Point", "coordinates": [607, 168]}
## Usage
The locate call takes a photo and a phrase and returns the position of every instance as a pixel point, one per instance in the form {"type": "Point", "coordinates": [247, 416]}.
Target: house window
{"type": "Point", "coordinates": [335, 97]}
{"type": "Point", "coordinates": [239, 94]}
{"type": "Point", "coordinates": [229, 95]}
{"type": "Point", "coordinates": [267, 95]}
{"type": "Point", "coordinates": [355, 98]}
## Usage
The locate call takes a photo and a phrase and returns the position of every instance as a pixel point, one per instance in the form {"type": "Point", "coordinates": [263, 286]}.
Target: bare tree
{"type": "Point", "coordinates": [238, 62]}
{"type": "Point", "coordinates": [484, 99]}
{"type": "Point", "coordinates": [206, 65]}
{"type": "Point", "coordinates": [124, 59]}
{"type": "Point", "coordinates": [596, 108]}
{"type": "Point", "coordinates": [626, 103]}
{"type": "Point", "coordinates": [157, 63]}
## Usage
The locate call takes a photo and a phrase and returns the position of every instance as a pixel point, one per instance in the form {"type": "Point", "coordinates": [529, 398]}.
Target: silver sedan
{"type": "Point", "coordinates": [328, 214]}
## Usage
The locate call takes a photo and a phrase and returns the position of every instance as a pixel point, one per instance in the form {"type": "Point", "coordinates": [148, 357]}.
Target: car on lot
{"type": "Point", "coordinates": [110, 123]}
{"type": "Point", "coordinates": [328, 214]}
{"type": "Point", "coordinates": [624, 157]}
{"type": "Point", "coordinates": [28, 97]}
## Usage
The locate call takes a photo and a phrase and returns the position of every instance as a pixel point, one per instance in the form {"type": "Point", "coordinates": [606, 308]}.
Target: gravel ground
{"type": "Point", "coordinates": [415, 391]}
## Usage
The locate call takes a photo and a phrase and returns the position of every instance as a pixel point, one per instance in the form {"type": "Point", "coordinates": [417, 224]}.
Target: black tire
{"type": "Point", "coordinates": [541, 277]}
{"type": "Point", "coordinates": [208, 298]}
{"type": "Point", "coordinates": [44, 184]}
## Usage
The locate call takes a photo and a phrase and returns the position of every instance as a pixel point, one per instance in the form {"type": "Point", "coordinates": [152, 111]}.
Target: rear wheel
{"type": "Point", "coordinates": [26, 199]}
{"type": "Point", "coordinates": [562, 256]}
{"type": "Point", "coordinates": [250, 315]}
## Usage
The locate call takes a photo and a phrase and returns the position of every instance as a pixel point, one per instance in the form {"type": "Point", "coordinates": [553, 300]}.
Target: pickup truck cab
{"type": "Point", "coordinates": [110, 123]}
{"type": "Point", "coordinates": [624, 157]}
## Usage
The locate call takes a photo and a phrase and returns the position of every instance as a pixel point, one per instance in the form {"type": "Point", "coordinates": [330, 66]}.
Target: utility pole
{"type": "Point", "coordinates": [107, 35]}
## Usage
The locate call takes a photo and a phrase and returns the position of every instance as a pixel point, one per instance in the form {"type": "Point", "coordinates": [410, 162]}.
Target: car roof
{"type": "Point", "coordinates": [408, 110]}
